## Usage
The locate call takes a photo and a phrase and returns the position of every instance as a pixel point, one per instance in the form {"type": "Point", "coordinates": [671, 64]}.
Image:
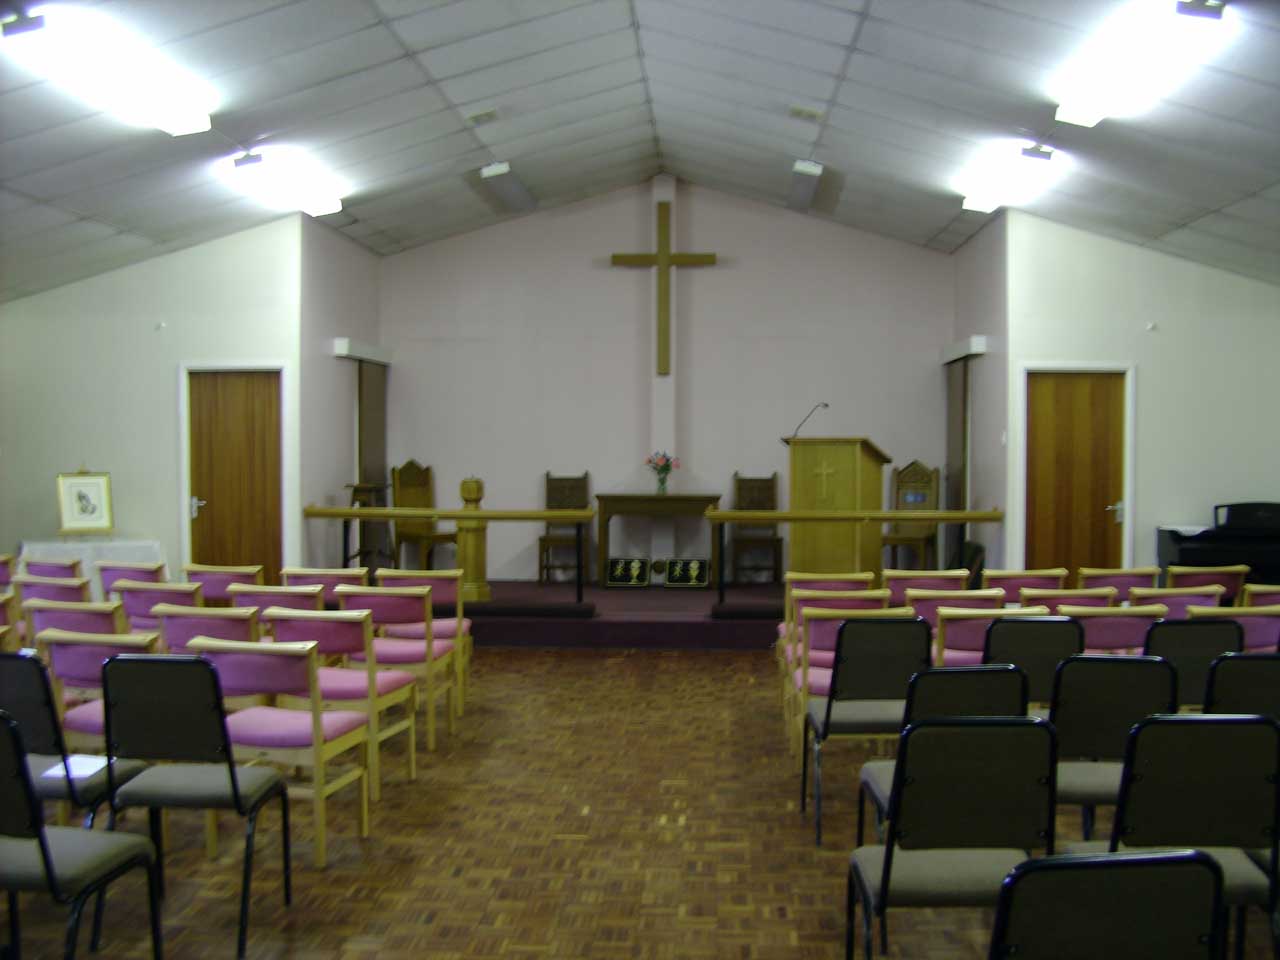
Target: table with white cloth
{"type": "Point", "coordinates": [88, 552]}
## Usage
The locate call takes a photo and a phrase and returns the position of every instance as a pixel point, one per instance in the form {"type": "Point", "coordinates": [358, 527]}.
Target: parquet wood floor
{"type": "Point", "coordinates": [631, 805]}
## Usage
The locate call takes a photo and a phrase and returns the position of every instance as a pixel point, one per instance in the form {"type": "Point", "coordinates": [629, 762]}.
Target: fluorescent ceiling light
{"type": "Point", "coordinates": [1139, 55]}
{"type": "Point", "coordinates": [1009, 173]}
{"type": "Point", "coordinates": [805, 175]}
{"type": "Point", "coordinates": [92, 57]}
{"type": "Point", "coordinates": [506, 186]}
{"type": "Point", "coordinates": [284, 177]}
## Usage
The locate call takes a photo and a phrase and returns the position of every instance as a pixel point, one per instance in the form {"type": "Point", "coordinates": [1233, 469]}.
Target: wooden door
{"type": "Point", "coordinates": [235, 468]}
{"type": "Point", "coordinates": [1075, 469]}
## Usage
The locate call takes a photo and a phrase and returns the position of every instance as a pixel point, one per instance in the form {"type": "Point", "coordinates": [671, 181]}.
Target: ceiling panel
{"type": "Point", "coordinates": [743, 93]}
{"type": "Point", "coordinates": [798, 81]}
{"type": "Point", "coordinates": [37, 106]}
{"type": "Point", "coordinates": [508, 128]}
{"type": "Point", "coordinates": [806, 19]}
{"type": "Point", "coordinates": [446, 23]}
{"type": "Point", "coordinates": [367, 117]}
{"type": "Point", "coordinates": [558, 90]}
{"type": "Point", "coordinates": [68, 142]}
{"type": "Point", "coordinates": [393, 139]}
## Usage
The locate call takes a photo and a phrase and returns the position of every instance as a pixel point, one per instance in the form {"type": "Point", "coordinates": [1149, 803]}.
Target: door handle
{"type": "Point", "coordinates": [197, 503]}
{"type": "Point", "coordinates": [1117, 509]}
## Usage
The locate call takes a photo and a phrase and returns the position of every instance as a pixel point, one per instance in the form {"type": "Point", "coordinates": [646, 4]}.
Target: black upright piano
{"type": "Point", "coordinates": [1241, 533]}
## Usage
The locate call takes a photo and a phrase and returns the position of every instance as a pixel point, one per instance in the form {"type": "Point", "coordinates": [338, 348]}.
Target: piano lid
{"type": "Point", "coordinates": [1248, 516]}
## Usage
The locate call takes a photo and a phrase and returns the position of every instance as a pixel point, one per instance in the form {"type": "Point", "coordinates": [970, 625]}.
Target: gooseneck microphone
{"type": "Point", "coordinates": [822, 405]}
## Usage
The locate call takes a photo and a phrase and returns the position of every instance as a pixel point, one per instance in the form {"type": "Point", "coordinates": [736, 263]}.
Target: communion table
{"type": "Point", "coordinates": [652, 505]}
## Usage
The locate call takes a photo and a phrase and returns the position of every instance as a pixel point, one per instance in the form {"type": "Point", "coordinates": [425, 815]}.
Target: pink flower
{"type": "Point", "coordinates": [675, 462]}
{"type": "Point", "coordinates": [662, 461]}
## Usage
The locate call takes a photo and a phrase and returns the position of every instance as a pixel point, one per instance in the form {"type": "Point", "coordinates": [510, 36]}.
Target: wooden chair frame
{"type": "Point", "coordinates": [905, 481]}
{"type": "Point", "coordinates": [564, 493]}
{"type": "Point", "coordinates": [1047, 573]}
{"type": "Point", "coordinates": [1084, 574]}
{"type": "Point", "coordinates": [755, 493]}
{"type": "Point", "coordinates": [463, 641]}
{"type": "Point", "coordinates": [1252, 590]}
{"type": "Point", "coordinates": [1154, 611]}
{"type": "Point", "coordinates": [421, 532]}
{"type": "Point", "coordinates": [1238, 571]}
{"type": "Point", "coordinates": [114, 609]}
{"type": "Point", "coordinates": [144, 566]}
{"type": "Point", "coordinates": [1035, 596]}
{"type": "Point", "coordinates": [265, 592]}
{"type": "Point", "coordinates": [952, 614]}
{"type": "Point", "coordinates": [72, 583]}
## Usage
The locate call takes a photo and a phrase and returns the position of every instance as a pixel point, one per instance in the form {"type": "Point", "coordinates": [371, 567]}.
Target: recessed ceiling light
{"type": "Point", "coordinates": [1009, 173]}
{"type": "Point", "coordinates": [283, 177]}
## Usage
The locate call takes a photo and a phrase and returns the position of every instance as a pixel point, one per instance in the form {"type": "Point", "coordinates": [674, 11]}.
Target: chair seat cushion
{"type": "Point", "coordinates": [826, 659]}
{"type": "Point", "coordinates": [79, 857]}
{"type": "Point", "coordinates": [387, 650]}
{"type": "Point", "coordinates": [199, 785]}
{"type": "Point", "coordinates": [91, 789]}
{"type": "Point", "coordinates": [1089, 782]}
{"type": "Point", "coordinates": [961, 658]}
{"type": "Point", "coordinates": [337, 683]}
{"type": "Point", "coordinates": [819, 680]}
{"type": "Point", "coordinates": [782, 629]}
{"type": "Point", "coordinates": [876, 778]}
{"type": "Point", "coordinates": [856, 716]}
{"type": "Point", "coordinates": [1243, 880]}
{"type": "Point", "coordinates": [442, 628]}
{"type": "Point", "coordinates": [936, 878]}
{"type": "Point", "coordinates": [288, 729]}
{"type": "Point", "coordinates": [86, 718]}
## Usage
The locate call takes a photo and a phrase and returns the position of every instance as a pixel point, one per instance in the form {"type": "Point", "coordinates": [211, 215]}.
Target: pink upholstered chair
{"type": "Point", "coordinates": [1013, 581]}
{"type": "Point", "coordinates": [11, 622]}
{"type": "Point", "coordinates": [898, 582]}
{"type": "Point", "coordinates": [295, 598]}
{"type": "Point", "coordinates": [1260, 595]}
{"type": "Point", "coordinates": [1086, 597]}
{"type": "Point", "coordinates": [75, 617]}
{"type": "Point", "coordinates": [435, 664]}
{"type": "Point", "coordinates": [310, 738]}
{"type": "Point", "coordinates": [327, 577]}
{"type": "Point", "coordinates": [1122, 578]}
{"type": "Point", "coordinates": [1177, 599]}
{"type": "Point", "coordinates": [70, 589]}
{"type": "Point", "coordinates": [6, 570]}
{"type": "Point", "coordinates": [75, 671]}
{"type": "Point", "coordinates": [342, 634]}
{"type": "Point", "coordinates": [1261, 625]}
{"type": "Point", "coordinates": [926, 602]}
{"type": "Point", "coordinates": [1231, 577]}
{"type": "Point", "coordinates": [52, 568]}
{"type": "Point", "coordinates": [1115, 629]}
{"type": "Point", "coordinates": [139, 596]}
{"type": "Point", "coordinates": [962, 632]}
{"type": "Point", "coordinates": [109, 571]}
{"type": "Point", "coordinates": [446, 597]}
{"type": "Point", "coordinates": [216, 579]}
{"type": "Point", "coordinates": [788, 629]}
{"type": "Point", "coordinates": [178, 624]}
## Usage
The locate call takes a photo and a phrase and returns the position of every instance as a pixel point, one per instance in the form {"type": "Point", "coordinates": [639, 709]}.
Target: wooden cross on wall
{"type": "Point", "coordinates": [664, 260]}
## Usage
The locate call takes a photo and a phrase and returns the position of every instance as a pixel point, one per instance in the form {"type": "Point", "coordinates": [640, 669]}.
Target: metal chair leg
{"type": "Point", "coordinates": [804, 764]}
{"type": "Point", "coordinates": [817, 792]}
{"type": "Point", "coordinates": [153, 903]}
{"type": "Point", "coordinates": [884, 932]}
{"type": "Point", "coordinates": [14, 950]}
{"type": "Point", "coordinates": [285, 844]}
{"type": "Point", "coordinates": [850, 915]}
{"type": "Point", "coordinates": [1240, 928]}
{"type": "Point", "coordinates": [1087, 815]}
{"type": "Point", "coordinates": [157, 839]}
{"type": "Point", "coordinates": [73, 928]}
{"type": "Point", "coordinates": [862, 807]}
{"type": "Point", "coordinates": [251, 823]}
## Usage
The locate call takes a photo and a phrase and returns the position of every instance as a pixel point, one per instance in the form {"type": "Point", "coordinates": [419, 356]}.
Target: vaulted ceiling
{"type": "Point", "coordinates": [407, 99]}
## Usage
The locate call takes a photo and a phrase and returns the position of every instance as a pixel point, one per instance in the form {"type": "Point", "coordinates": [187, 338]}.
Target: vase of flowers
{"type": "Point", "coordinates": [662, 463]}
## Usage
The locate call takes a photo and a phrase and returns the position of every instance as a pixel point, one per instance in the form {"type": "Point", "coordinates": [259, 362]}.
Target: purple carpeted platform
{"type": "Point", "coordinates": [529, 614]}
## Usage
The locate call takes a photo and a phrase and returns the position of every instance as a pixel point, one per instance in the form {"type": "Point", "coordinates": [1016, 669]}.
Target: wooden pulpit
{"type": "Point", "coordinates": [836, 473]}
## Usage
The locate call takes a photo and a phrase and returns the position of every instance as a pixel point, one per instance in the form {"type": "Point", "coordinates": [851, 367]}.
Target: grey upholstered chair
{"type": "Point", "coordinates": [26, 695]}
{"type": "Point", "coordinates": [875, 660]}
{"type": "Point", "coordinates": [953, 835]}
{"type": "Point", "coordinates": [1037, 645]}
{"type": "Point", "coordinates": [1191, 645]}
{"type": "Point", "coordinates": [990, 690]}
{"type": "Point", "coordinates": [1096, 701]}
{"type": "Point", "coordinates": [1244, 683]}
{"type": "Point", "coordinates": [169, 708]}
{"type": "Point", "coordinates": [70, 863]}
{"type": "Point", "coordinates": [1140, 906]}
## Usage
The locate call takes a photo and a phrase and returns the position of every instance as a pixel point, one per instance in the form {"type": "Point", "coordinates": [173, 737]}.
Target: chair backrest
{"type": "Point", "coordinates": [1037, 645]}
{"type": "Point", "coordinates": [913, 487]}
{"type": "Point", "coordinates": [1115, 628]}
{"type": "Point", "coordinates": [566, 493]}
{"type": "Point", "coordinates": [327, 577]}
{"type": "Point", "coordinates": [876, 657]}
{"type": "Point", "coordinates": [965, 628]}
{"type": "Point", "coordinates": [1013, 581]}
{"type": "Point", "coordinates": [446, 586]}
{"type": "Point", "coordinates": [1166, 905]}
{"type": "Point", "coordinates": [1122, 578]}
{"type": "Point", "coordinates": [109, 571]}
{"type": "Point", "coordinates": [898, 582]}
{"type": "Point", "coordinates": [1177, 599]}
{"type": "Point", "coordinates": [78, 617]}
{"type": "Point", "coordinates": [1080, 597]}
{"type": "Point", "coordinates": [6, 569]}
{"type": "Point", "coordinates": [821, 634]}
{"type": "Point", "coordinates": [1231, 577]}
{"type": "Point", "coordinates": [1261, 625]}
{"type": "Point", "coordinates": [755, 493]}
{"type": "Point", "coordinates": [75, 659]}
{"type": "Point", "coordinates": [251, 669]}
{"type": "Point", "coordinates": [25, 693]}
{"type": "Point", "coordinates": [52, 568]}
{"type": "Point", "coordinates": [1097, 699]}
{"type": "Point", "coordinates": [974, 782]}
{"type": "Point", "coordinates": [993, 690]}
{"type": "Point", "coordinates": [216, 579]}
{"type": "Point", "coordinates": [1257, 595]}
{"type": "Point", "coordinates": [926, 602]}
{"type": "Point", "coordinates": [1208, 780]}
{"type": "Point", "coordinates": [139, 596]}
{"type": "Point", "coordinates": [413, 485]}
{"type": "Point", "coordinates": [795, 580]}
{"type": "Point", "coordinates": [1244, 683]}
{"type": "Point", "coordinates": [1191, 645]}
{"type": "Point", "coordinates": [310, 597]}
{"type": "Point", "coordinates": [178, 624]}
{"type": "Point", "coordinates": [21, 815]}
{"type": "Point", "coordinates": [389, 604]}
{"type": "Point", "coordinates": [334, 631]}
{"type": "Point", "coordinates": [68, 589]}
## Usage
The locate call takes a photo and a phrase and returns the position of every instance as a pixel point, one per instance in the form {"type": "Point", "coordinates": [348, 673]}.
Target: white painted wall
{"type": "Point", "coordinates": [339, 298]}
{"type": "Point", "coordinates": [982, 308]}
{"type": "Point", "coordinates": [1205, 373]}
{"type": "Point", "coordinates": [517, 349]}
{"type": "Point", "coordinates": [90, 376]}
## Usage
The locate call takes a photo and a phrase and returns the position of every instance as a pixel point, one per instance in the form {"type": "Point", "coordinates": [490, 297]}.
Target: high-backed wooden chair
{"type": "Point", "coordinates": [914, 487]}
{"type": "Point", "coordinates": [564, 493]}
{"type": "Point", "coordinates": [758, 539]}
{"type": "Point", "coordinates": [413, 485]}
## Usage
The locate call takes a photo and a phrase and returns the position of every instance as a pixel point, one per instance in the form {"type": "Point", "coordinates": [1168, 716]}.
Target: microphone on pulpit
{"type": "Point", "coordinates": [821, 405]}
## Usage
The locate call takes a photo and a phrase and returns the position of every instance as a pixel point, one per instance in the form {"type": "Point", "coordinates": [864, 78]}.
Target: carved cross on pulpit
{"type": "Point", "coordinates": [664, 260]}
{"type": "Point", "coordinates": [823, 473]}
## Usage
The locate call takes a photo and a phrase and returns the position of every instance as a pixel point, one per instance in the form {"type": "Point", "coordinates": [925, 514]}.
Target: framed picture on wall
{"type": "Point", "coordinates": [84, 503]}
